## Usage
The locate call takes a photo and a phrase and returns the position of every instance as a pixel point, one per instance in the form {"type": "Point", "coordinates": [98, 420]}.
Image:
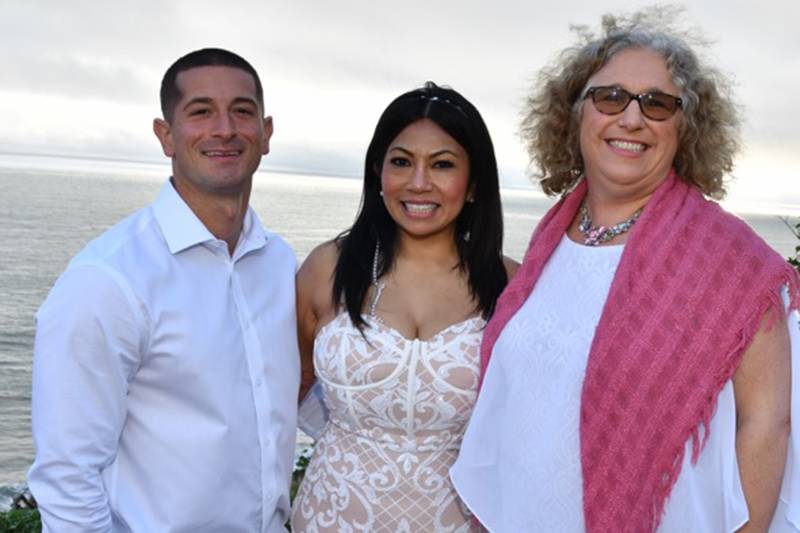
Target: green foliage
{"type": "Point", "coordinates": [795, 261]}
{"type": "Point", "coordinates": [20, 521]}
{"type": "Point", "coordinates": [297, 475]}
{"type": "Point", "coordinates": [299, 471]}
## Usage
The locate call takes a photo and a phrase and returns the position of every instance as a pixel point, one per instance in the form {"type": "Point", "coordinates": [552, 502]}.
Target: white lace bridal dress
{"type": "Point", "coordinates": [398, 409]}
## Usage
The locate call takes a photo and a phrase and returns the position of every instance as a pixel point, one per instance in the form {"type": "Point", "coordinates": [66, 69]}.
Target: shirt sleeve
{"type": "Point", "coordinates": [313, 414]}
{"type": "Point", "coordinates": [89, 337]}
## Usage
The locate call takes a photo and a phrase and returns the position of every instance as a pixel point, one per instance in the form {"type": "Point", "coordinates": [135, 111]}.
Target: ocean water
{"type": "Point", "coordinates": [50, 207]}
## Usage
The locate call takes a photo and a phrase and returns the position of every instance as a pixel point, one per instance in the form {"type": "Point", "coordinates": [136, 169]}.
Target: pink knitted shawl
{"type": "Point", "coordinates": [685, 303]}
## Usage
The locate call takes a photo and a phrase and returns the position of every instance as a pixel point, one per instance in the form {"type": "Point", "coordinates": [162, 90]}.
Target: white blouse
{"type": "Point", "coordinates": [519, 467]}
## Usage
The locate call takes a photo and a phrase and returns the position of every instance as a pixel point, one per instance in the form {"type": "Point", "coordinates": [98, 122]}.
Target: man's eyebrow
{"type": "Point", "coordinates": [245, 100]}
{"type": "Point", "coordinates": [198, 100]}
{"type": "Point", "coordinates": [209, 100]}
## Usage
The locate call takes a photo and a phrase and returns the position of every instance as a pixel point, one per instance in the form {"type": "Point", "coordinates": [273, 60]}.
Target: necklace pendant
{"type": "Point", "coordinates": [596, 235]}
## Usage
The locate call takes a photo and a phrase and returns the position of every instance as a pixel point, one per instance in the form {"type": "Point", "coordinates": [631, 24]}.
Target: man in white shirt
{"type": "Point", "coordinates": [166, 371]}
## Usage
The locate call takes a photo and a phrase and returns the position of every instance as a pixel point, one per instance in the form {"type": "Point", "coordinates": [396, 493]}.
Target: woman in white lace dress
{"type": "Point", "coordinates": [391, 315]}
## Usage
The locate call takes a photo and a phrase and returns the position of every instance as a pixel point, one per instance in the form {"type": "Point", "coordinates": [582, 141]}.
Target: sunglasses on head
{"type": "Point", "coordinates": [653, 104]}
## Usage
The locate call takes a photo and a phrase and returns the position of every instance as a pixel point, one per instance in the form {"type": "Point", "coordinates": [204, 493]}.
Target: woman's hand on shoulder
{"type": "Point", "coordinates": [511, 266]}
{"type": "Point", "coordinates": [314, 285]}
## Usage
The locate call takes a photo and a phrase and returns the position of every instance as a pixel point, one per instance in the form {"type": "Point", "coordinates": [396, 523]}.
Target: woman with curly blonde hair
{"type": "Point", "coordinates": [637, 372]}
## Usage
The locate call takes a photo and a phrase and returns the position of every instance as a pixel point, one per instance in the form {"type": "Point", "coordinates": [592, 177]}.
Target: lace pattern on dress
{"type": "Point", "coordinates": [398, 410]}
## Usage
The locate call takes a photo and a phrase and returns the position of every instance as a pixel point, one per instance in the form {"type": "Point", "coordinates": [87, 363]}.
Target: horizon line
{"type": "Point", "coordinates": [771, 208]}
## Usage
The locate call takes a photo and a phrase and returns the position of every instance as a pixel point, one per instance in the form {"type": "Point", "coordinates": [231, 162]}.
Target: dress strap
{"type": "Point", "coordinates": [378, 285]}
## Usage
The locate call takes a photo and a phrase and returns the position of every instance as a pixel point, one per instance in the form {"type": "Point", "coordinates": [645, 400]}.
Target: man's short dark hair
{"type": "Point", "coordinates": [205, 57]}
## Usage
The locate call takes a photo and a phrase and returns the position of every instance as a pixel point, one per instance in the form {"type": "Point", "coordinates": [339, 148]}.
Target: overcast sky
{"type": "Point", "coordinates": [81, 77]}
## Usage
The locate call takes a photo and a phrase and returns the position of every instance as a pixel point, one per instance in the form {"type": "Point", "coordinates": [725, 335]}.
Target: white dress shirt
{"type": "Point", "coordinates": [165, 380]}
{"type": "Point", "coordinates": [519, 468]}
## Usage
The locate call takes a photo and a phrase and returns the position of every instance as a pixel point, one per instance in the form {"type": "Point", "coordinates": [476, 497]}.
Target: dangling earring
{"type": "Point", "coordinates": [471, 201]}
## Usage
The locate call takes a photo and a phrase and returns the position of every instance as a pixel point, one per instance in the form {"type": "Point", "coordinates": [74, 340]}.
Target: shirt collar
{"type": "Point", "coordinates": [182, 229]}
{"type": "Point", "coordinates": [253, 235]}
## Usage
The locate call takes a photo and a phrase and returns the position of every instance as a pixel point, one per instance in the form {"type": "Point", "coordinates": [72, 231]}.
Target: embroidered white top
{"type": "Point", "coordinates": [165, 380]}
{"type": "Point", "coordinates": [398, 408]}
{"type": "Point", "coordinates": [519, 466]}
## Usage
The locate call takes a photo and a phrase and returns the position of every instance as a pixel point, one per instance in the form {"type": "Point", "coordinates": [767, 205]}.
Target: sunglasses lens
{"type": "Point", "coordinates": [610, 100]}
{"type": "Point", "coordinates": [658, 106]}
{"type": "Point", "coordinates": [654, 105]}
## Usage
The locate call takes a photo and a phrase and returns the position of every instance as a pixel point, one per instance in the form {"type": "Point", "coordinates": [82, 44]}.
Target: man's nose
{"type": "Point", "coordinates": [224, 126]}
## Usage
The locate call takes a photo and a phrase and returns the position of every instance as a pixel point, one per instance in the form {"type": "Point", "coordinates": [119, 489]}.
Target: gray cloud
{"type": "Point", "coordinates": [72, 77]}
{"type": "Point", "coordinates": [117, 52]}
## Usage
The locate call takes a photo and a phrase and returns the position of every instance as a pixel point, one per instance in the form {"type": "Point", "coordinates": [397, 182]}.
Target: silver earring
{"type": "Point", "coordinates": [381, 193]}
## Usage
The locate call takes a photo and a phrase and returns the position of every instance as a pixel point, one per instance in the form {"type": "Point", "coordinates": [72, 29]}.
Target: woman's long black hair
{"type": "Point", "coordinates": [479, 226]}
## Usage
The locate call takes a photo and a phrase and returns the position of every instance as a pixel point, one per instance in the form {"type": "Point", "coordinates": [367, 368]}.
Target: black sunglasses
{"type": "Point", "coordinates": [653, 104]}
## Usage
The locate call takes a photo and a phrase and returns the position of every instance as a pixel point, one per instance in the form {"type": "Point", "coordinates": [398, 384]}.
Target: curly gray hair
{"type": "Point", "coordinates": [709, 129]}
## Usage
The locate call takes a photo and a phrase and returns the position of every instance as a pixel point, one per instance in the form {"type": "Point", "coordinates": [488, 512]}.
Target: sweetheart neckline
{"type": "Point", "coordinates": [382, 324]}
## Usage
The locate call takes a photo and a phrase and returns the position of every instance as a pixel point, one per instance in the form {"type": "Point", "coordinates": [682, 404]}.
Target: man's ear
{"type": "Point", "coordinates": [268, 129]}
{"type": "Point", "coordinates": [163, 131]}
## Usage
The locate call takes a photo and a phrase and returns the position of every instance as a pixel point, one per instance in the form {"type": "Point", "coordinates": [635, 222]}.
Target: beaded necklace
{"type": "Point", "coordinates": [596, 235]}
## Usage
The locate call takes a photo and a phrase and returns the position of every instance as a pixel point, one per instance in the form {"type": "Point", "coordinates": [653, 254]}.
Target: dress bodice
{"type": "Point", "coordinates": [398, 410]}
{"type": "Point", "coordinates": [404, 393]}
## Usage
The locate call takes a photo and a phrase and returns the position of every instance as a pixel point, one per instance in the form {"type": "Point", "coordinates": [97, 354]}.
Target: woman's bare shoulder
{"type": "Point", "coordinates": [320, 263]}
{"type": "Point", "coordinates": [511, 266]}
{"type": "Point", "coordinates": [315, 278]}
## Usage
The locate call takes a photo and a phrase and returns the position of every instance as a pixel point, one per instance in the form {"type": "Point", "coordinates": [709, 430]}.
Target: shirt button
{"type": "Point", "coordinates": [258, 382]}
